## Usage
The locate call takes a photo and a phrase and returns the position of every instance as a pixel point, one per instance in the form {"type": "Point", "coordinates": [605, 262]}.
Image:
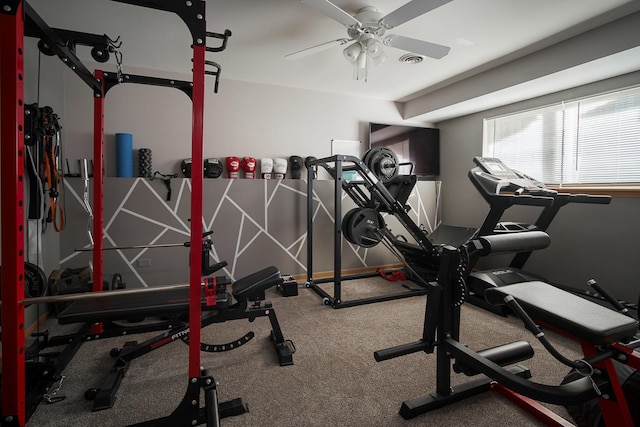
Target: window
{"type": "Point", "coordinates": [593, 141]}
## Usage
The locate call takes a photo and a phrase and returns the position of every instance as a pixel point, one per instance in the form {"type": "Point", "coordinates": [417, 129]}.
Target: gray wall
{"type": "Point", "coordinates": [243, 119]}
{"type": "Point", "coordinates": [255, 223]}
{"type": "Point", "coordinates": [599, 241]}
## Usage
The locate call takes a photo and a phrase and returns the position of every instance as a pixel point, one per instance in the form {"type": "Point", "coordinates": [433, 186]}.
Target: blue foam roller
{"type": "Point", "coordinates": [124, 155]}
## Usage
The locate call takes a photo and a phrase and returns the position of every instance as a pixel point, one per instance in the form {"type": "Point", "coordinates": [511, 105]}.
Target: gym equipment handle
{"type": "Point", "coordinates": [535, 330]}
{"type": "Point", "coordinates": [502, 355]}
{"type": "Point", "coordinates": [526, 319]}
{"type": "Point", "coordinates": [614, 302]}
{"type": "Point", "coordinates": [512, 242]}
{"type": "Point", "coordinates": [588, 198]}
{"type": "Point", "coordinates": [402, 350]}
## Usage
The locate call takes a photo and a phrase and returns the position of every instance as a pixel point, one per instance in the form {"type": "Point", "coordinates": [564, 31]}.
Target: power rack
{"type": "Point", "coordinates": [17, 19]}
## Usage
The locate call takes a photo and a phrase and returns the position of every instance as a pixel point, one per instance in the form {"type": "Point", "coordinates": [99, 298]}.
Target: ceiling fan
{"type": "Point", "coordinates": [367, 30]}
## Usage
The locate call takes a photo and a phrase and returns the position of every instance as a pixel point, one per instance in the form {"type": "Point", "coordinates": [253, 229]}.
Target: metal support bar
{"type": "Point", "coordinates": [337, 233]}
{"type": "Point", "coordinates": [12, 181]}
{"type": "Point", "coordinates": [98, 187]}
{"type": "Point", "coordinates": [52, 299]}
{"type": "Point", "coordinates": [310, 179]}
{"type": "Point", "coordinates": [117, 248]}
{"type": "Point", "coordinates": [111, 80]}
{"type": "Point", "coordinates": [40, 28]}
{"type": "Point", "coordinates": [197, 175]}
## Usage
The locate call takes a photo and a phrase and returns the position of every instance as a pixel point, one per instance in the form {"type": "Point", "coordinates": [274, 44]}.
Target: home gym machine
{"type": "Point", "coordinates": [604, 335]}
{"type": "Point", "coordinates": [15, 15]}
{"type": "Point", "coordinates": [378, 188]}
{"type": "Point", "coordinates": [502, 187]}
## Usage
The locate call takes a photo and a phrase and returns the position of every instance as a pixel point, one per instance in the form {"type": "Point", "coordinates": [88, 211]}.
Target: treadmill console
{"type": "Point", "coordinates": [510, 179]}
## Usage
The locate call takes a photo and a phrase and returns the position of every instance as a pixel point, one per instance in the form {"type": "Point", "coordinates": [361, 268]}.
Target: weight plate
{"type": "Point", "coordinates": [35, 281]}
{"type": "Point", "coordinates": [383, 162]}
{"type": "Point", "coordinates": [362, 227]}
{"type": "Point", "coordinates": [116, 282]}
{"type": "Point", "coordinates": [346, 229]}
{"type": "Point", "coordinates": [367, 157]}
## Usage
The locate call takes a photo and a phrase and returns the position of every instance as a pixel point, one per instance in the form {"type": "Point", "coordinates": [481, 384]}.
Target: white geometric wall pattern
{"type": "Point", "coordinates": [255, 223]}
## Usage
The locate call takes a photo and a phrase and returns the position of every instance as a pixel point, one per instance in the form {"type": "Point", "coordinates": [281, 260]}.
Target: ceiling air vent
{"type": "Point", "coordinates": [411, 58]}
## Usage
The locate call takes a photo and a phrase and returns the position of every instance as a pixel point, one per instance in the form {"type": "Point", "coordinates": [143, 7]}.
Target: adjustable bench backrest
{"type": "Point", "coordinates": [567, 312]}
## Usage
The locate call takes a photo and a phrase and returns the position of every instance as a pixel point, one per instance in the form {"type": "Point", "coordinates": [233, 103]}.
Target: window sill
{"type": "Point", "coordinates": [615, 192]}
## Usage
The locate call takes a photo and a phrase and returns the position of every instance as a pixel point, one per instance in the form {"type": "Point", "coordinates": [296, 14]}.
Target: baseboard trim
{"type": "Point", "coordinates": [363, 270]}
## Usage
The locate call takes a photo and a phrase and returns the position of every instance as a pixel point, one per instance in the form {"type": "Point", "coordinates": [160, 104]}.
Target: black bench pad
{"type": "Point", "coordinates": [256, 283]}
{"type": "Point", "coordinates": [567, 312]}
{"type": "Point", "coordinates": [129, 306]}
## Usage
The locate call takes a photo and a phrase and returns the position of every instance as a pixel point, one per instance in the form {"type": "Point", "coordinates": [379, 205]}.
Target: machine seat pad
{"type": "Point", "coordinates": [256, 283]}
{"type": "Point", "coordinates": [567, 312]}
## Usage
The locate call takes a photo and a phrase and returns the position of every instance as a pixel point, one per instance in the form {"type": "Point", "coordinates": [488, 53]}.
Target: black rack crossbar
{"type": "Point", "coordinates": [191, 12]}
{"type": "Point", "coordinates": [111, 80]}
{"type": "Point", "coordinates": [367, 192]}
{"type": "Point", "coordinates": [36, 26]}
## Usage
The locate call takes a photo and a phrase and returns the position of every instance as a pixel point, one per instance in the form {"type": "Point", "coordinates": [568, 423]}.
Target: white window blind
{"type": "Point", "coordinates": [591, 141]}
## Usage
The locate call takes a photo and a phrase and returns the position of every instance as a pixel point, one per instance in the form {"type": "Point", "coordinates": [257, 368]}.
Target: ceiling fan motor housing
{"type": "Point", "coordinates": [370, 18]}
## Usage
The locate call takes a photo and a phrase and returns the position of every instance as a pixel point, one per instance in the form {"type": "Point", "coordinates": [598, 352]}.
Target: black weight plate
{"type": "Point", "coordinates": [35, 281]}
{"type": "Point", "coordinates": [384, 164]}
{"type": "Point", "coordinates": [116, 282]}
{"type": "Point", "coordinates": [346, 230]}
{"type": "Point", "coordinates": [362, 227]}
{"type": "Point", "coordinates": [367, 157]}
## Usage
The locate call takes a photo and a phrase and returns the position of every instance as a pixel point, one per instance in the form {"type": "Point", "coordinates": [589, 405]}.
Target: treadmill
{"type": "Point", "coordinates": [502, 188]}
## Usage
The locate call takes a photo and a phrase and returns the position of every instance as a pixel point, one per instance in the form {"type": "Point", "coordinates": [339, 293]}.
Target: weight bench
{"type": "Point", "coordinates": [248, 293]}
{"type": "Point", "coordinates": [605, 335]}
{"type": "Point", "coordinates": [169, 302]}
{"type": "Point", "coordinates": [567, 313]}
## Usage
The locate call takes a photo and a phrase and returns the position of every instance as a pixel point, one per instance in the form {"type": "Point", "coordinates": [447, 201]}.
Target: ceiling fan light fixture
{"type": "Point", "coordinates": [374, 48]}
{"type": "Point", "coordinates": [352, 52]}
{"type": "Point", "coordinates": [362, 60]}
{"type": "Point", "coordinates": [379, 59]}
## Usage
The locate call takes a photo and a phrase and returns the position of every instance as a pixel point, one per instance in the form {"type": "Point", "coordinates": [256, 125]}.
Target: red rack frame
{"type": "Point", "coordinates": [12, 175]}
{"type": "Point", "coordinates": [12, 23]}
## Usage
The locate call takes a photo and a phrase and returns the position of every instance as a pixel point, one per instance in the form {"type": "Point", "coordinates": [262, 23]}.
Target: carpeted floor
{"type": "Point", "coordinates": [334, 381]}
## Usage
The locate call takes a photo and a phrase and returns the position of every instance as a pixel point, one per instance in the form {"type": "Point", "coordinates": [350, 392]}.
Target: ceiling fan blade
{"type": "Point", "coordinates": [432, 50]}
{"type": "Point", "coordinates": [411, 10]}
{"type": "Point", "coordinates": [315, 49]}
{"type": "Point", "coordinates": [334, 12]}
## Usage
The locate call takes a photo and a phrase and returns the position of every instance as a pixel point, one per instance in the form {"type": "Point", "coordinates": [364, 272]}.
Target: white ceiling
{"type": "Point", "coordinates": [481, 33]}
{"type": "Point", "coordinates": [478, 32]}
